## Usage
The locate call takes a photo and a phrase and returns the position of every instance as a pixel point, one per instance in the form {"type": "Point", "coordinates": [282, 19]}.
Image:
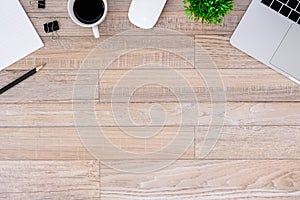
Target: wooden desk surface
{"type": "Point", "coordinates": [256, 156]}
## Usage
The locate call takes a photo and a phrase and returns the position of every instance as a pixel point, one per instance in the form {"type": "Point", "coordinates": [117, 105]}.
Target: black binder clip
{"type": "Point", "coordinates": [40, 3]}
{"type": "Point", "coordinates": [52, 27]}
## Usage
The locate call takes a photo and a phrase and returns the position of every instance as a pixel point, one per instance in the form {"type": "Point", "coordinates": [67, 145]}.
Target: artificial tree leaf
{"type": "Point", "coordinates": [209, 11]}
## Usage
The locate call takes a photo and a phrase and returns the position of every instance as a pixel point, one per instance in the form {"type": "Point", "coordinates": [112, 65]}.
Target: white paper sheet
{"type": "Point", "coordinates": [18, 37]}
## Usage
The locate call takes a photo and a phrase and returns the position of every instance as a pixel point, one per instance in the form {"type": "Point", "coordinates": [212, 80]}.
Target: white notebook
{"type": "Point", "coordinates": [18, 38]}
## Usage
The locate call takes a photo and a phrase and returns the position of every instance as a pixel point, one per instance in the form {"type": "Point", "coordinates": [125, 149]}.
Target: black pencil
{"type": "Point", "coordinates": [22, 78]}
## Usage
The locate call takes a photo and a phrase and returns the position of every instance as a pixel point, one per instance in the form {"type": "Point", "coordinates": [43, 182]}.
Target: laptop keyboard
{"type": "Point", "coordinates": [287, 8]}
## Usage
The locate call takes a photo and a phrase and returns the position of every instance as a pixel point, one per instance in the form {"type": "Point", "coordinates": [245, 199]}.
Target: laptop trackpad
{"type": "Point", "coordinates": [287, 56]}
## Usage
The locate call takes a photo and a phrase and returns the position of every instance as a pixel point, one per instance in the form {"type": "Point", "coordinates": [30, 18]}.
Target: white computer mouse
{"type": "Point", "coordinates": [145, 13]}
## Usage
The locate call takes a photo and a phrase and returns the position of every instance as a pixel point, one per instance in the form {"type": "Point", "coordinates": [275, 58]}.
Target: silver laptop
{"type": "Point", "coordinates": [270, 32]}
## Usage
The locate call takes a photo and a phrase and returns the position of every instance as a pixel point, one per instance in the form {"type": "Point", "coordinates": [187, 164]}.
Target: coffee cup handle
{"type": "Point", "coordinates": [96, 31]}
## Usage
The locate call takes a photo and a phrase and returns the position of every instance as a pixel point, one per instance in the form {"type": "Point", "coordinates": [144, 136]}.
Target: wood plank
{"type": "Point", "coordinates": [252, 142]}
{"type": "Point", "coordinates": [49, 180]}
{"type": "Point", "coordinates": [170, 85]}
{"type": "Point", "coordinates": [64, 143]}
{"type": "Point", "coordinates": [69, 53]}
{"type": "Point", "coordinates": [71, 49]}
{"type": "Point", "coordinates": [235, 142]}
{"type": "Point", "coordinates": [115, 5]}
{"type": "Point", "coordinates": [184, 85]}
{"type": "Point", "coordinates": [53, 115]}
{"type": "Point", "coordinates": [227, 179]}
{"type": "Point", "coordinates": [46, 86]}
{"type": "Point", "coordinates": [117, 22]}
{"type": "Point", "coordinates": [37, 117]}
{"type": "Point", "coordinates": [41, 144]}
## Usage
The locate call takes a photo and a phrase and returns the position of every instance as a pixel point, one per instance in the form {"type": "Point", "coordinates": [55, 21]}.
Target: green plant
{"type": "Point", "coordinates": [209, 11]}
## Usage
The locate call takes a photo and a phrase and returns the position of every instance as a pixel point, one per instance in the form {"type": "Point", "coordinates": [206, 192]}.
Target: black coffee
{"type": "Point", "coordinates": [88, 11]}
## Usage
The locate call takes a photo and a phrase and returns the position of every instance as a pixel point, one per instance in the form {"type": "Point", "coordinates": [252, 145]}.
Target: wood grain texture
{"type": "Point", "coordinates": [206, 180]}
{"type": "Point", "coordinates": [239, 84]}
{"type": "Point", "coordinates": [189, 86]}
{"type": "Point", "coordinates": [59, 86]}
{"type": "Point", "coordinates": [69, 53]}
{"type": "Point", "coordinates": [64, 143]}
{"type": "Point", "coordinates": [256, 156]}
{"type": "Point", "coordinates": [235, 142]}
{"type": "Point", "coordinates": [117, 22]}
{"type": "Point", "coordinates": [53, 115]}
{"type": "Point", "coordinates": [49, 180]}
{"type": "Point", "coordinates": [251, 143]}
{"type": "Point", "coordinates": [268, 85]}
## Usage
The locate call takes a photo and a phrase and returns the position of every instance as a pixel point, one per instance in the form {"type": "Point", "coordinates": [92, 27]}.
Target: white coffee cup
{"type": "Point", "coordinates": [95, 25]}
